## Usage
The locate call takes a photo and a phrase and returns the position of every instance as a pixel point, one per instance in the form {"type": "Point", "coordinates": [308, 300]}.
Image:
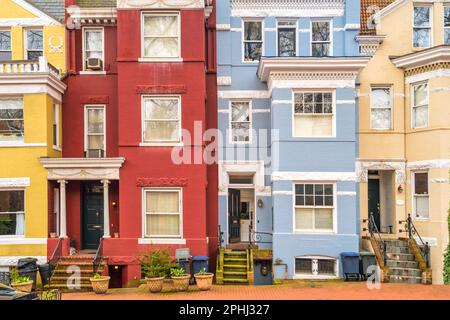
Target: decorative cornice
{"type": "Point", "coordinates": [161, 4]}
{"type": "Point", "coordinates": [368, 45]}
{"type": "Point", "coordinates": [161, 89]}
{"type": "Point", "coordinates": [92, 16]}
{"type": "Point", "coordinates": [438, 54]}
{"type": "Point", "coordinates": [161, 182]}
{"type": "Point", "coordinates": [363, 167]}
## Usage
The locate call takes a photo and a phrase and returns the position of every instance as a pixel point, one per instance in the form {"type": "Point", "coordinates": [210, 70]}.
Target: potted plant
{"type": "Point", "coordinates": [100, 284]}
{"type": "Point", "coordinates": [204, 280]}
{"type": "Point", "coordinates": [19, 283]}
{"type": "Point", "coordinates": [180, 279]}
{"type": "Point", "coordinates": [156, 266]}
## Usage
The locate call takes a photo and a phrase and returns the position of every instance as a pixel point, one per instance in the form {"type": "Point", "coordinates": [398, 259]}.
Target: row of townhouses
{"type": "Point", "coordinates": [278, 134]}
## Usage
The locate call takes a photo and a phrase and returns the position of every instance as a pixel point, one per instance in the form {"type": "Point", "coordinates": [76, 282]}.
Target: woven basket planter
{"type": "Point", "coordinates": [155, 285]}
{"type": "Point", "coordinates": [204, 281]}
{"type": "Point", "coordinates": [181, 283]}
{"type": "Point", "coordinates": [24, 286]}
{"type": "Point", "coordinates": [100, 286]}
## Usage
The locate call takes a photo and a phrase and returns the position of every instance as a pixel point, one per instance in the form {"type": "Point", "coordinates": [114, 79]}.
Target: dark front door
{"type": "Point", "coordinates": [92, 224]}
{"type": "Point", "coordinates": [374, 200]}
{"type": "Point", "coordinates": [234, 220]}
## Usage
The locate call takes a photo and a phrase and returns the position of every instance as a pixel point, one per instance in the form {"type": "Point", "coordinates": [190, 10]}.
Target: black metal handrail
{"type": "Point", "coordinates": [413, 234]}
{"type": "Point", "coordinates": [98, 257]}
{"type": "Point", "coordinates": [375, 234]}
{"type": "Point", "coordinates": [219, 244]}
{"type": "Point", "coordinates": [56, 255]}
{"type": "Point", "coordinates": [256, 237]}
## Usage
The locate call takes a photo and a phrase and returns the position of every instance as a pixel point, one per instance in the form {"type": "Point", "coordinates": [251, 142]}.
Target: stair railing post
{"type": "Point", "coordinates": [409, 222]}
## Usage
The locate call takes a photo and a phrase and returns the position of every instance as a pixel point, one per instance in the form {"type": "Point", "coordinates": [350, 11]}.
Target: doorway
{"type": "Point", "coordinates": [92, 215]}
{"type": "Point", "coordinates": [381, 199]}
{"type": "Point", "coordinates": [241, 214]}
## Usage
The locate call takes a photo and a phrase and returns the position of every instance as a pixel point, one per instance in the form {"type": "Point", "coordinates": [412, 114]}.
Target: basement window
{"type": "Point", "coordinates": [316, 267]}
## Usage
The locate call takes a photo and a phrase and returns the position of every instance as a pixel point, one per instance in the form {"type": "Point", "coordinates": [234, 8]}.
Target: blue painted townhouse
{"type": "Point", "coordinates": [287, 77]}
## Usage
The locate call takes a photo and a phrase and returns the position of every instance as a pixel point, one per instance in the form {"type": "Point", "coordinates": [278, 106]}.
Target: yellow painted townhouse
{"type": "Point", "coordinates": [404, 129]}
{"type": "Point", "coordinates": [32, 60]}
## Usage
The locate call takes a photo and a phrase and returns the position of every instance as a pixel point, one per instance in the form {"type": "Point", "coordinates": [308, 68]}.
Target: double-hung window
{"type": "Point", "coordinates": [314, 207]}
{"type": "Point", "coordinates": [287, 38]}
{"type": "Point", "coordinates": [5, 45]}
{"type": "Point", "coordinates": [421, 196]}
{"type": "Point", "coordinates": [95, 131]}
{"type": "Point", "coordinates": [240, 121]}
{"type": "Point", "coordinates": [162, 213]}
{"type": "Point", "coordinates": [161, 120]}
{"type": "Point", "coordinates": [34, 44]}
{"type": "Point", "coordinates": [161, 36]}
{"type": "Point", "coordinates": [12, 212]}
{"type": "Point", "coordinates": [253, 40]}
{"type": "Point", "coordinates": [313, 114]}
{"type": "Point", "coordinates": [93, 48]}
{"type": "Point", "coordinates": [381, 108]}
{"type": "Point", "coordinates": [422, 27]}
{"type": "Point", "coordinates": [321, 38]}
{"type": "Point", "coordinates": [11, 119]}
{"type": "Point", "coordinates": [447, 25]}
{"type": "Point", "coordinates": [420, 105]}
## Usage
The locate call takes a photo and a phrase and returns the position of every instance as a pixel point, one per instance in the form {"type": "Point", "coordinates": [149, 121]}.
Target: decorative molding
{"type": "Point", "coordinates": [24, 22]}
{"type": "Point", "coordinates": [21, 144]}
{"type": "Point", "coordinates": [55, 47]}
{"type": "Point", "coordinates": [363, 166]}
{"type": "Point", "coordinates": [346, 193]}
{"type": "Point", "coordinates": [352, 26]}
{"type": "Point", "coordinates": [223, 27]}
{"type": "Point", "coordinates": [243, 94]}
{"type": "Point", "coordinates": [313, 176]}
{"type": "Point", "coordinates": [14, 183]}
{"type": "Point", "coordinates": [161, 89]}
{"type": "Point", "coordinates": [161, 182]}
{"type": "Point", "coordinates": [248, 167]}
{"type": "Point", "coordinates": [224, 81]}
{"type": "Point", "coordinates": [94, 99]}
{"type": "Point", "coordinates": [438, 54]}
{"type": "Point", "coordinates": [92, 16]}
{"type": "Point", "coordinates": [368, 45]}
{"type": "Point", "coordinates": [21, 241]}
{"type": "Point", "coordinates": [282, 193]}
{"type": "Point", "coordinates": [429, 164]}
{"type": "Point", "coordinates": [13, 260]}
{"type": "Point", "coordinates": [161, 4]}
{"type": "Point", "coordinates": [427, 75]}
{"type": "Point", "coordinates": [440, 180]}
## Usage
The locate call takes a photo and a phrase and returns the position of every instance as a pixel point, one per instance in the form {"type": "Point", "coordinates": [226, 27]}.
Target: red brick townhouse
{"type": "Point", "coordinates": [138, 80]}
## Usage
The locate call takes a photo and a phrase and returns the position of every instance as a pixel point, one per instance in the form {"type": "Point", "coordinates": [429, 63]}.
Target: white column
{"type": "Point", "coordinates": [106, 231]}
{"type": "Point", "coordinates": [62, 202]}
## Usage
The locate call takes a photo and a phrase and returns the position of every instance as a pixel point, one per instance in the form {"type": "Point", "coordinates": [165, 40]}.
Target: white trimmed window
{"type": "Point", "coordinates": [56, 126]}
{"type": "Point", "coordinates": [287, 38]}
{"type": "Point", "coordinates": [161, 35]}
{"type": "Point", "coordinates": [447, 25]}
{"type": "Point", "coordinates": [5, 45]}
{"type": "Point", "coordinates": [314, 207]}
{"type": "Point", "coordinates": [240, 121]}
{"type": "Point", "coordinates": [34, 44]}
{"type": "Point", "coordinates": [421, 196]}
{"type": "Point", "coordinates": [316, 267]}
{"type": "Point", "coordinates": [161, 120]}
{"type": "Point", "coordinates": [162, 213]}
{"type": "Point", "coordinates": [95, 131]}
{"type": "Point", "coordinates": [253, 41]}
{"type": "Point", "coordinates": [313, 114]}
{"type": "Point", "coordinates": [93, 49]}
{"type": "Point", "coordinates": [420, 105]}
{"type": "Point", "coordinates": [321, 38]}
{"type": "Point", "coordinates": [11, 119]}
{"type": "Point", "coordinates": [381, 108]}
{"type": "Point", "coordinates": [12, 212]}
{"type": "Point", "coordinates": [422, 27]}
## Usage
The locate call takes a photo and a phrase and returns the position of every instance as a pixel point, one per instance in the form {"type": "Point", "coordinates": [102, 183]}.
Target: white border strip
{"type": "Point", "coordinates": [20, 241]}
{"type": "Point", "coordinates": [14, 182]}
{"type": "Point", "coordinates": [13, 260]}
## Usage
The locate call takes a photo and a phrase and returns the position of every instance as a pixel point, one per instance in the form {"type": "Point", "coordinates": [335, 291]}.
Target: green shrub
{"type": "Point", "coordinates": [16, 278]}
{"type": "Point", "coordinates": [177, 272]}
{"type": "Point", "coordinates": [156, 263]}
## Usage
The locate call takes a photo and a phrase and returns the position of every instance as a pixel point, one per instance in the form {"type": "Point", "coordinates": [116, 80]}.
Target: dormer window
{"type": "Point", "coordinates": [93, 55]}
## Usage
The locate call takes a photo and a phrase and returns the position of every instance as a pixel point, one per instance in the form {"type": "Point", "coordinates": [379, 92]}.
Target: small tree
{"type": "Point", "coordinates": [156, 263]}
{"type": "Point", "coordinates": [447, 257]}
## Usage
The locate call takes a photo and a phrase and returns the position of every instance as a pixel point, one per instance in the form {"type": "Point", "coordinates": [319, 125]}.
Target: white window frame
{"type": "Point", "coordinates": [430, 27]}
{"type": "Point", "coordinates": [144, 213]}
{"type": "Point", "coordinates": [144, 58]}
{"type": "Point", "coordinates": [287, 27]}
{"type": "Point", "coordinates": [24, 213]}
{"type": "Point", "coordinates": [412, 102]}
{"type": "Point", "coordinates": [57, 124]}
{"type": "Point", "coordinates": [333, 114]}
{"type": "Point", "coordinates": [86, 124]}
{"type": "Point", "coordinates": [6, 143]}
{"type": "Point", "coordinates": [87, 29]}
{"type": "Point", "coordinates": [180, 129]}
{"type": "Point", "coordinates": [446, 6]}
{"type": "Point", "coordinates": [391, 99]}
{"type": "Point", "coordinates": [230, 135]}
{"type": "Point", "coordinates": [10, 37]}
{"type": "Point", "coordinates": [243, 41]}
{"type": "Point", "coordinates": [330, 21]}
{"type": "Point", "coordinates": [25, 41]}
{"type": "Point", "coordinates": [413, 198]}
{"type": "Point", "coordinates": [334, 209]}
{"type": "Point", "coordinates": [313, 275]}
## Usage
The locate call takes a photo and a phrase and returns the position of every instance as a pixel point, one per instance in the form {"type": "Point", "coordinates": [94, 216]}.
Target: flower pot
{"type": "Point", "coordinates": [23, 286]}
{"type": "Point", "coordinates": [204, 281]}
{"type": "Point", "coordinates": [155, 285]}
{"type": "Point", "coordinates": [100, 286]}
{"type": "Point", "coordinates": [181, 283]}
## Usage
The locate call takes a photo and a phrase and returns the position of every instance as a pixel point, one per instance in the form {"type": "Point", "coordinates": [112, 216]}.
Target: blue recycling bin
{"type": "Point", "coordinates": [350, 265]}
{"type": "Point", "coordinates": [199, 263]}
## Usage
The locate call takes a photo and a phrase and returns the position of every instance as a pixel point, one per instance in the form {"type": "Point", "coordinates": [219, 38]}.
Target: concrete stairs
{"type": "Point", "coordinates": [403, 268]}
{"type": "Point", "coordinates": [235, 267]}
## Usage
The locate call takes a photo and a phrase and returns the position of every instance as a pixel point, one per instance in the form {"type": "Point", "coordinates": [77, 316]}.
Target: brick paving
{"type": "Point", "coordinates": [292, 290]}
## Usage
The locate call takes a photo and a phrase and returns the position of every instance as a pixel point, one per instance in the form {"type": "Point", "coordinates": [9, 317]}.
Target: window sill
{"type": "Point", "coordinates": [419, 219]}
{"type": "Point", "coordinates": [57, 148]}
{"type": "Point", "coordinates": [93, 72]}
{"type": "Point", "coordinates": [160, 59]}
{"type": "Point", "coordinates": [161, 241]}
{"type": "Point", "coordinates": [161, 144]}
{"type": "Point", "coordinates": [312, 232]}
{"type": "Point", "coordinates": [318, 277]}
{"type": "Point", "coordinates": [18, 144]}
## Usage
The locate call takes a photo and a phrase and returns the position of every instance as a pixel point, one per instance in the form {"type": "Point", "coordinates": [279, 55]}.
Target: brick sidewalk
{"type": "Point", "coordinates": [288, 291]}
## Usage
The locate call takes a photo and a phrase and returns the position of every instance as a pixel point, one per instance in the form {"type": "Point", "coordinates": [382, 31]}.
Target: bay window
{"type": "Point", "coordinates": [253, 40]}
{"type": "Point", "coordinates": [447, 25]}
{"type": "Point", "coordinates": [287, 38]}
{"type": "Point", "coordinates": [240, 122]}
{"type": "Point", "coordinates": [421, 197]}
{"type": "Point", "coordinates": [381, 108]}
{"type": "Point", "coordinates": [314, 207]}
{"type": "Point", "coordinates": [11, 119]}
{"type": "Point", "coordinates": [161, 35]}
{"type": "Point", "coordinates": [422, 27]}
{"type": "Point", "coordinates": [420, 105]}
{"type": "Point", "coordinates": [321, 38]}
{"type": "Point", "coordinates": [12, 212]}
{"type": "Point", "coordinates": [5, 45]}
{"type": "Point", "coordinates": [162, 213]}
{"type": "Point", "coordinates": [34, 44]}
{"type": "Point", "coordinates": [313, 114]}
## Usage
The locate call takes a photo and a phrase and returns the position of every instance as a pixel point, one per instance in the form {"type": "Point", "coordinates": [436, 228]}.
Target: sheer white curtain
{"type": "Point", "coordinates": [161, 36]}
{"type": "Point", "coordinates": [162, 122]}
{"type": "Point", "coordinates": [94, 44]}
{"type": "Point", "coordinates": [162, 213]}
{"type": "Point", "coordinates": [313, 125]}
{"type": "Point", "coordinates": [381, 108]}
{"type": "Point", "coordinates": [96, 129]}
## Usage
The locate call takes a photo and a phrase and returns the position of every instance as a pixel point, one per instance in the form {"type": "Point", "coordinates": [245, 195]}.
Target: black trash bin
{"type": "Point", "coordinates": [199, 263]}
{"type": "Point", "coordinates": [367, 259]}
{"type": "Point", "coordinates": [27, 267]}
{"type": "Point", "coordinates": [350, 266]}
{"type": "Point", "coordinates": [45, 271]}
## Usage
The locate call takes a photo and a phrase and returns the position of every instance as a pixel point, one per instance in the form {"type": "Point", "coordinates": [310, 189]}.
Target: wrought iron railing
{"type": "Point", "coordinates": [255, 237]}
{"type": "Point", "coordinates": [410, 229]}
{"type": "Point", "coordinates": [219, 244]}
{"type": "Point", "coordinates": [375, 235]}
{"type": "Point", "coordinates": [98, 258]}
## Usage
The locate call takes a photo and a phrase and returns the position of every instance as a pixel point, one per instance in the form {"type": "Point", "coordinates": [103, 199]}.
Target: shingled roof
{"type": "Point", "coordinates": [53, 8]}
{"type": "Point", "coordinates": [368, 9]}
{"type": "Point", "coordinates": [97, 3]}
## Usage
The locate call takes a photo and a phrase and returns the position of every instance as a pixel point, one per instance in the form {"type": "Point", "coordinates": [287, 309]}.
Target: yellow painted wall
{"type": "Point", "coordinates": [12, 10]}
